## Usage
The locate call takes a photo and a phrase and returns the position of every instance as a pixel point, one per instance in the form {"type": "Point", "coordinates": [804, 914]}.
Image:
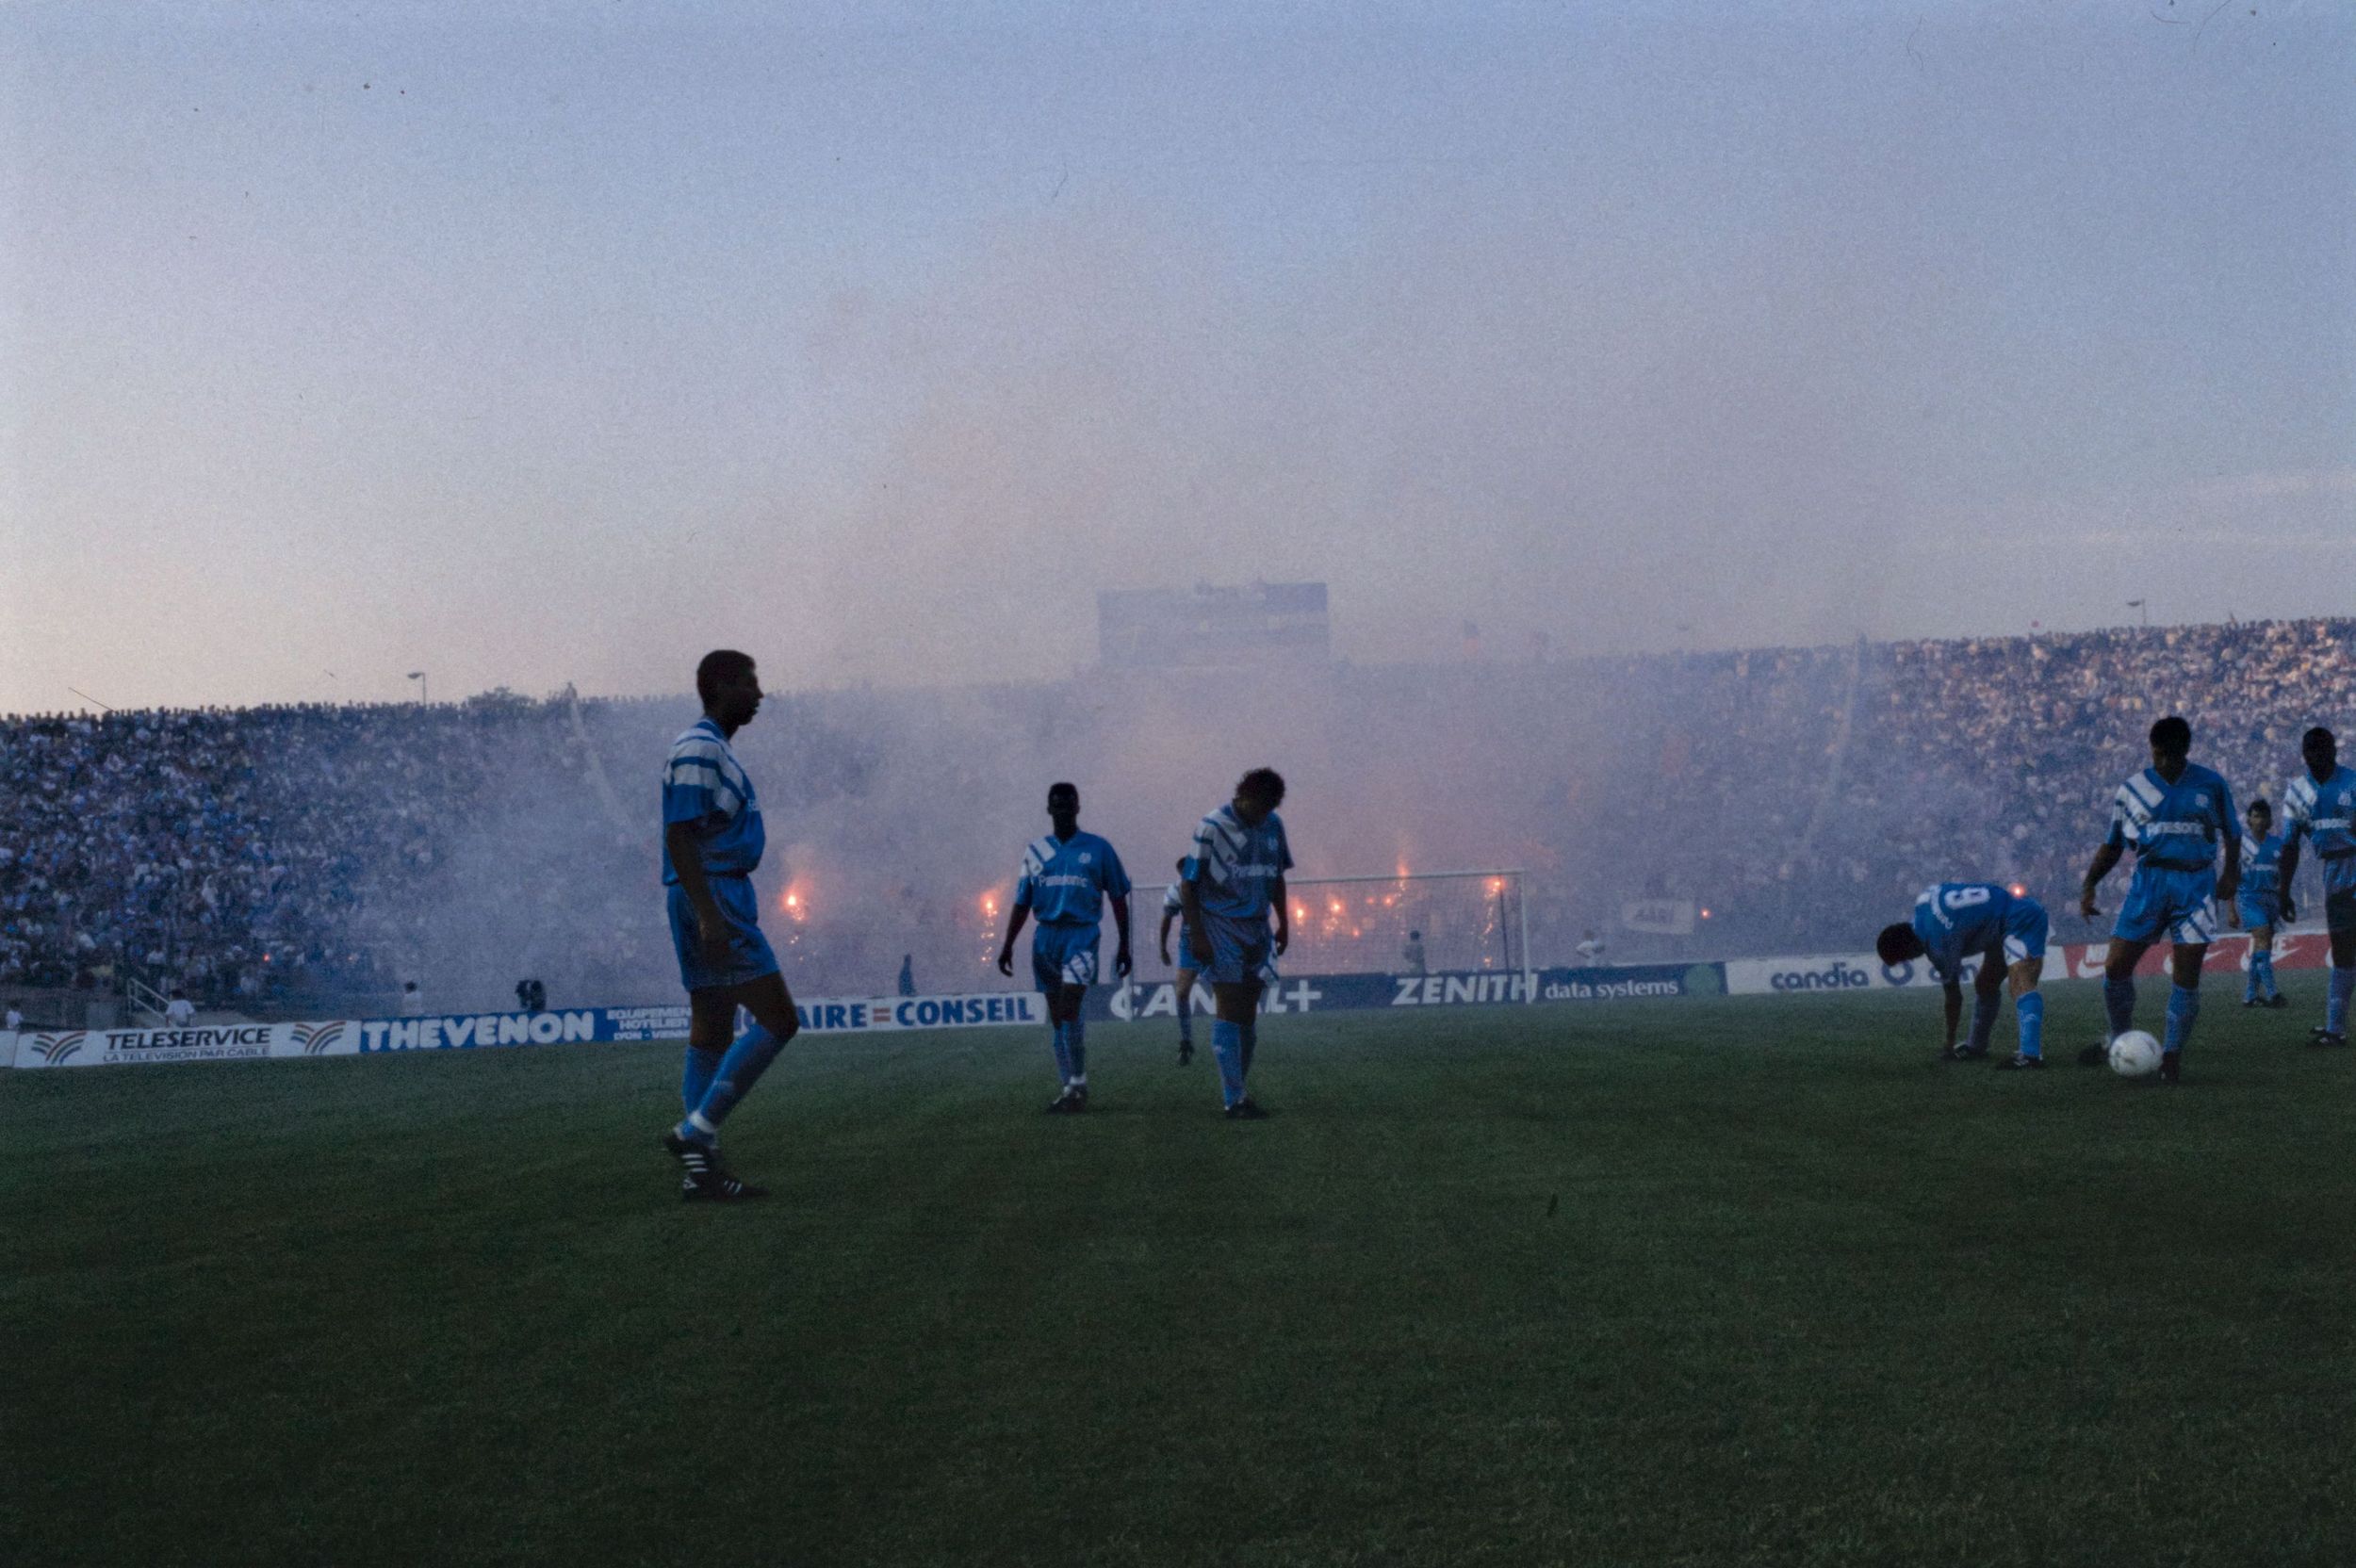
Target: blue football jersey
{"type": "Point", "coordinates": [705, 786]}
{"type": "Point", "coordinates": [1066, 881]}
{"type": "Point", "coordinates": [2324, 814]}
{"type": "Point", "coordinates": [1235, 868]}
{"type": "Point", "coordinates": [2261, 863]}
{"type": "Point", "coordinates": [1961, 920]}
{"type": "Point", "coordinates": [2174, 826]}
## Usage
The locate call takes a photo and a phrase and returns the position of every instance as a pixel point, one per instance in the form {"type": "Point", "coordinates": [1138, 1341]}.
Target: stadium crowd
{"type": "Point", "coordinates": [260, 857]}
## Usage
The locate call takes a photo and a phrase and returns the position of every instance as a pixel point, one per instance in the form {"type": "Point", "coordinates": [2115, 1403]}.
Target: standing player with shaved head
{"type": "Point", "coordinates": [712, 840]}
{"type": "Point", "coordinates": [1065, 879]}
{"type": "Point", "coordinates": [1232, 878]}
{"type": "Point", "coordinates": [2320, 809]}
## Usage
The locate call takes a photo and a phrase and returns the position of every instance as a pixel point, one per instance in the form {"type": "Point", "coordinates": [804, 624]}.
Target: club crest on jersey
{"type": "Point", "coordinates": [1086, 857]}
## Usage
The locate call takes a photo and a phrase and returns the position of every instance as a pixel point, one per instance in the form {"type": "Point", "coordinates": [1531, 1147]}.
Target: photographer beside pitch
{"type": "Point", "coordinates": [2176, 813]}
{"type": "Point", "coordinates": [1955, 922]}
{"type": "Point", "coordinates": [1234, 875]}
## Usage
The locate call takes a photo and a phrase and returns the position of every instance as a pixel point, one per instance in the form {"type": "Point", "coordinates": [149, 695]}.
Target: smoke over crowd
{"type": "Point", "coordinates": [1799, 796]}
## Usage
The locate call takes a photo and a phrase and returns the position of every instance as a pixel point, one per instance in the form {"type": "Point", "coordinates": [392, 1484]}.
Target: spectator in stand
{"type": "Point", "coordinates": [16, 1019]}
{"type": "Point", "coordinates": [1411, 955]}
{"type": "Point", "coordinates": [908, 974]}
{"type": "Point", "coordinates": [179, 1012]}
{"type": "Point", "coordinates": [412, 1000]}
{"type": "Point", "coordinates": [1590, 948]}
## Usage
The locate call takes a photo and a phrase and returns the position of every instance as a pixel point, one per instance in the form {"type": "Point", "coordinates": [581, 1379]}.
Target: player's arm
{"type": "Point", "coordinates": [2104, 858]}
{"type": "Point", "coordinates": [1198, 937]}
{"type": "Point", "coordinates": [1015, 919]}
{"type": "Point", "coordinates": [2230, 882]}
{"type": "Point", "coordinates": [1284, 915]}
{"type": "Point", "coordinates": [1121, 963]}
{"type": "Point", "coordinates": [1168, 916]}
{"type": "Point", "coordinates": [711, 931]}
{"type": "Point", "coordinates": [2286, 867]}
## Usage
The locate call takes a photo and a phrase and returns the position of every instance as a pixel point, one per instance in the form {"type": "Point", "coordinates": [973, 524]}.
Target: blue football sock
{"type": "Point", "coordinates": [2252, 981]}
{"type": "Point", "coordinates": [1227, 1045]}
{"type": "Point", "coordinates": [2336, 1009]}
{"type": "Point", "coordinates": [2030, 1010]}
{"type": "Point", "coordinates": [1982, 1022]}
{"type": "Point", "coordinates": [1186, 1018]}
{"type": "Point", "coordinates": [2265, 964]}
{"type": "Point", "coordinates": [740, 1068]}
{"type": "Point", "coordinates": [1251, 1041]}
{"type": "Point", "coordinates": [2119, 1004]}
{"type": "Point", "coordinates": [696, 1079]}
{"type": "Point", "coordinates": [2184, 1005]}
{"type": "Point", "coordinates": [1076, 1044]}
{"type": "Point", "coordinates": [1063, 1052]}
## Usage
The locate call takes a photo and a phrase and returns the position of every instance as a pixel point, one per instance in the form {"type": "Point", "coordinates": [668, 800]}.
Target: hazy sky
{"type": "Point", "coordinates": [523, 344]}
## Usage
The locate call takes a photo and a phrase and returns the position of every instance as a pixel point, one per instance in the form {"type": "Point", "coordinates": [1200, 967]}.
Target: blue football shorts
{"type": "Point", "coordinates": [2179, 905]}
{"type": "Point", "coordinates": [2339, 892]}
{"type": "Point", "coordinates": [2257, 910]}
{"type": "Point", "coordinates": [1063, 956]}
{"type": "Point", "coordinates": [1242, 951]}
{"type": "Point", "coordinates": [748, 958]}
{"type": "Point", "coordinates": [2025, 928]}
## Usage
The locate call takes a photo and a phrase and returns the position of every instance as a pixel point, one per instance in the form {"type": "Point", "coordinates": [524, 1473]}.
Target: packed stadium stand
{"type": "Point", "coordinates": [268, 860]}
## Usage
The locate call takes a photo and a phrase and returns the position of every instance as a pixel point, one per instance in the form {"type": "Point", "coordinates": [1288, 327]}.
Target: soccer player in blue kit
{"type": "Point", "coordinates": [1065, 879]}
{"type": "Point", "coordinates": [711, 843]}
{"type": "Point", "coordinates": [1954, 922]}
{"type": "Point", "coordinates": [2176, 814]}
{"type": "Point", "coordinates": [1232, 878]}
{"type": "Point", "coordinates": [2259, 905]}
{"type": "Point", "coordinates": [2320, 807]}
{"type": "Point", "coordinates": [1173, 909]}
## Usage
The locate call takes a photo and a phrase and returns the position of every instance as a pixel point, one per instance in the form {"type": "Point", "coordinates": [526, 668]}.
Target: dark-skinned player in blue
{"type": "Point", "coordinates": [1230, 883]}
{"type": "Point", "coordinates": [1065, 880]}
{"type": "Point", "coordinates": [2320, 808]}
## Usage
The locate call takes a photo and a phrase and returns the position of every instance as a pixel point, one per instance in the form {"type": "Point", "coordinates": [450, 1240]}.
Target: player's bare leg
{"type": "Point", "coordinates": [1239, 1005]}
{"type": "Point", "coordinates": [1063, 1008]}
{"type": "Point", "coordinates": [1183, 991]}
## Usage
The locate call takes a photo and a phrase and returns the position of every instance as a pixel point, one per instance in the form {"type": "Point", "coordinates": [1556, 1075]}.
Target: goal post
{"type": "Point", "coordinates": [1453, 921]}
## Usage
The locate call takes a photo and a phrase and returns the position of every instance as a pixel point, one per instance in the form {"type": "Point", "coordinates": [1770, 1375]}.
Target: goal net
{"type": "Point", "coordinates": [1435, 921]}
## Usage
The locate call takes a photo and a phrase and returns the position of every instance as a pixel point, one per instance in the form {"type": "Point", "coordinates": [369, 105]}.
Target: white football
{"type": "Point", "coordinates": [2134, 1054]}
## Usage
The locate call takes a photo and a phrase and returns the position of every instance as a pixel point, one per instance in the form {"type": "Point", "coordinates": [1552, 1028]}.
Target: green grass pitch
{"type": "Point", "coordinates": [1737, 1280]}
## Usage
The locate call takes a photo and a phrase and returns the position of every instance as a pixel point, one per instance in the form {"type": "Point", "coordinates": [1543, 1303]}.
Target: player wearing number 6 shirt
{"type": "Point", "coordinates": [2175, 814]}
{"type": "Point", "coordinates": [1958, 921]}
{"type": "Point", "coordinates": [2320, 809]}
{"type": "Point", "coordinates": [1232, 878]}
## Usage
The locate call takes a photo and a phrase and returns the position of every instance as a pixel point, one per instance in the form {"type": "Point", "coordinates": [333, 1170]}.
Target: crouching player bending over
{"type": "Point", "coordinates": [712, 842]}
{"type": "Point", "coordinates": [1958, 921]}
{"type": "Point", "coordinates": [1230, 879]}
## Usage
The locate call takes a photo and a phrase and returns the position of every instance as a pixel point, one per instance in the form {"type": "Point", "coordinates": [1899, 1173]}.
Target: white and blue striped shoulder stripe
{"type": "Point", "coordinates": [2144, 791]}
{"type": "Point", "coordinates": [1035, 856]}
